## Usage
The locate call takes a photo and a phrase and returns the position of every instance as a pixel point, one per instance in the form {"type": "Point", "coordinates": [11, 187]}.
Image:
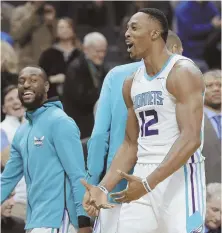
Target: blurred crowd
{"type": "Point", "coordinates": [77, 43]}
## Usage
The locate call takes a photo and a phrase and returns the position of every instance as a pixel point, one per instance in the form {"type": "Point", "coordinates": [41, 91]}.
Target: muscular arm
{"type": "Point", "coordinates": [125, 157]}
{"type": "Point", "coordinates": [186, 85]}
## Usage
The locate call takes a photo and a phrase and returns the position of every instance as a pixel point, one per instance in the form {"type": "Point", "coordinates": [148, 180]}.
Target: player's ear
{"type": "Point", "coordinates": [174, 48]}
{"type": "Point", "coordinates": [46, 86]}
{"type": "Point", "coordinates": [155, 34]}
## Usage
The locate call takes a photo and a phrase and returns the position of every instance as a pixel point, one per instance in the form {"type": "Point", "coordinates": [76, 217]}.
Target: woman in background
{"type": "Point", "coordinates": [9, 68]}
{"type": "Point", "coordinates": [9, 65]}
{"type": "Point", "coordinates": [56, 59]}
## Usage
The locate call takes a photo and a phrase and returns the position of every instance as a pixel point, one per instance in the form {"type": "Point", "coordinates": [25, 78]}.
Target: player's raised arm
{"type": "Point", "coordinates": [185, 83]}
{"type": "Point", "coordinates": [125, 157]}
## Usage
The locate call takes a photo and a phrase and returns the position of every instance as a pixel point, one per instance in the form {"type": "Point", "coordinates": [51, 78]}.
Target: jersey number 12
{"type": "Point", "coordinates": [145, 131]}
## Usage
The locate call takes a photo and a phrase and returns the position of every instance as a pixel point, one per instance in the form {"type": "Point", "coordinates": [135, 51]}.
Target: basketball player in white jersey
{"type": "Point", "coordinates": [166, 193]}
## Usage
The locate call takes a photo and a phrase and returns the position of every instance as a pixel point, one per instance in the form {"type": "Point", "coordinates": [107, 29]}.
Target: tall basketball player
{"type": "Point", "coordinates": [163, 138]}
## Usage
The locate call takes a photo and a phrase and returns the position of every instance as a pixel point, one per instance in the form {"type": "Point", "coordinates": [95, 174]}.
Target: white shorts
{"type": "Point", "coordinates": [66, 227]}
{"type": "Point", "coordinates": [107, 220]}
{"type": "Point", "coordinates": [176, 205]}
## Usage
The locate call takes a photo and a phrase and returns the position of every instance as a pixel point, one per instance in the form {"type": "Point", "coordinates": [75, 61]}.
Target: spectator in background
{"type": "Point", "coordinates": [14, 111]}
{"type": "Point", "coordinates": [196, 20]}
{"type": "Point", "coordinates": [10, 224]}
{"type": "Point", "coordinates": [33, 28]}
{"type": "Point", "coordinates": [56, 59]}
{"type": "Point", "coordinates": [5, 147]}
{"type": "Point", "coordinates": [9, 68]}
{"type": "Point", "coordinates": [7, 38]}
{"type": "Point", "coordinates": [212, 130]}
{"type": "Point", "coordinates": [213, 210]}
{"type": "Point", "coordinates": [9, 65]}
{"type": "Point", "coordinates": [6, 13]}
{"type": "Point", "coordinates": [83, 82]}
{"type": "Point", "coordinates": [92, 13]}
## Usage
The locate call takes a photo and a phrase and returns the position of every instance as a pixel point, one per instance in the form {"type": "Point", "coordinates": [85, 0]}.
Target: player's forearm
{"type": "Point", "coordinates": [181, 151]}
{"type": "Point", "coordinates": [124, 160]}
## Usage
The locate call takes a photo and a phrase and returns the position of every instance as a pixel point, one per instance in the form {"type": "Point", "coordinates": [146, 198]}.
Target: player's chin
{"type": "Point", "coordinates": [29, 104]}
{"type": "Point", "coordinates": [132, 55]}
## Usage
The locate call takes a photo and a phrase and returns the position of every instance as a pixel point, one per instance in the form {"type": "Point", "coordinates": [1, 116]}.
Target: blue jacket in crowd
{"type": "Point", "coordinates": [110, 123]}
{"type": "Point", "coordinates": [194, 25]}
{"type": "Point", "coordinates": [47, 150]}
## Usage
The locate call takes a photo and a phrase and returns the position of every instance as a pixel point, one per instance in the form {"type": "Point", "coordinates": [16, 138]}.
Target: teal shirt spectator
{"type": "Point", "coordinates": [110, 123]}
{"type": "Point", "coordinates": [47, 150]}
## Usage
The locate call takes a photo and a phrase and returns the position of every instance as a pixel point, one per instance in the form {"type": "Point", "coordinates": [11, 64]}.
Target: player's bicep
{"type": "Point", "coordinates": [189, 114]}
{"type": "Point", "coordinates": [187, 87]}
{"type": "Point", "coordinates": [132, 127]}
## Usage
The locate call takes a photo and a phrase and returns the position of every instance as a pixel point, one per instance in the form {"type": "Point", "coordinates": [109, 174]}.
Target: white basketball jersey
{"type": "Point", "coordinates": [155, 109]}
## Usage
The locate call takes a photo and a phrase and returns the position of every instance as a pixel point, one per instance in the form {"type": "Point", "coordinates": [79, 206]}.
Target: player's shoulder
{"type": "Point", "coordinates": [59, 118]}
{"type": "Point", "coordinates": [185, 73]}
{"type": "Point", "coordinates": [185, 67]}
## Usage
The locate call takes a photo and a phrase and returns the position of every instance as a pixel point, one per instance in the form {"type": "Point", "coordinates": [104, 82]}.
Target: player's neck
{"type": "Point", "coordinates": [155, 60]}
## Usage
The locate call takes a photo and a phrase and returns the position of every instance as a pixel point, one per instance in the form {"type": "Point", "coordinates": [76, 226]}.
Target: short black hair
{"type": "Point", "coordinates": [44, 75]}
{"type": "Point", "coordinates": [160, 17]}
{"type": "Point", "coordinates": [5, 91]}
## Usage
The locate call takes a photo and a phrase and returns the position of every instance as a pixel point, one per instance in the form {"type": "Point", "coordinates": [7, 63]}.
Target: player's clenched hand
{"type": "Point", "coordinates": [94, 199]}
{"type": "Point", "coordinates": [87, 205]}
{"type": "Point", "coordinates": [134, 190]}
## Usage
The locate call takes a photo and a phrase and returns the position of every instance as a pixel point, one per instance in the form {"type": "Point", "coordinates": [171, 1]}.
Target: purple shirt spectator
{"type": "Point", "coordinates": [6, 37]}
{"type": "Point", "coordinates": [4, 140]}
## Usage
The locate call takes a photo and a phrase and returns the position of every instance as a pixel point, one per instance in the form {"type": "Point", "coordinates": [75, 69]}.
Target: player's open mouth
{"type": "Point", "coordinates": [27, 94]}
{"type": "Point", "coordinates": [129, 46]}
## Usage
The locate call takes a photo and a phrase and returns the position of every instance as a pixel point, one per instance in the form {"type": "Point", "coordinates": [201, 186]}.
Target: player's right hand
{"type": "Point", "coordinates": [88, 205]}
{"type": "Point", "coordinates": [94, 199]}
